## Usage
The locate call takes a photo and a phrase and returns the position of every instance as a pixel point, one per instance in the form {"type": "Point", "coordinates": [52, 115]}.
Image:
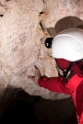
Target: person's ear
{"type": "Point", "coordinates": [48, 42]}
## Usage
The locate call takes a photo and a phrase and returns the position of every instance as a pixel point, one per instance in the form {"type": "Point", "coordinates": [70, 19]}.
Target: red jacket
{"type": "Point", "coordinates": [74, 87]}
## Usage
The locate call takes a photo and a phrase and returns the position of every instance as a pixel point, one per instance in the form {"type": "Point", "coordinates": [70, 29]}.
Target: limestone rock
{"type": "Point", "coordinates": [21, 47]}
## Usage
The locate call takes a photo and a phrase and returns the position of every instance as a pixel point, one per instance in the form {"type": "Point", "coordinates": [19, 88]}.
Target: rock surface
{"type": "Point", "coordinates": [21, 47]}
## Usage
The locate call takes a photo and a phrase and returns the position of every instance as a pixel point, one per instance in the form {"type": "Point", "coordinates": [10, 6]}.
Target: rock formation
{"type": "Point", "coordinates": [24, 25]}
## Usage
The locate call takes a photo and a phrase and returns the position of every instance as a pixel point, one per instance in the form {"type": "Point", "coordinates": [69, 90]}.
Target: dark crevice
{"type": "Point", "coordinates": [1, 15]}
{"type": "Point", "coordinates": [41, 13]}
{"type": "Point", "coordinates": [42, 26]}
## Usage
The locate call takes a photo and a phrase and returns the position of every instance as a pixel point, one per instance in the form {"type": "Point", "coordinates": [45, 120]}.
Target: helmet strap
{"type": "Point", "coordinates": [66, 72]}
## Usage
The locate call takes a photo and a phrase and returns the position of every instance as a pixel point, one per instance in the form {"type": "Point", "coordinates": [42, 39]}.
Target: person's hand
{"type": "Point", "coordinates": [36, 77]}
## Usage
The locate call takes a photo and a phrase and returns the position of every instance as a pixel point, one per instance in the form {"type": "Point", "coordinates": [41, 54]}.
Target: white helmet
{"type": "Point", "coordinates": [68, 44]}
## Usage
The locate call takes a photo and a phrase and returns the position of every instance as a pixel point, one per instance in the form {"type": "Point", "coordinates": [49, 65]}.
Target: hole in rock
{"type": "Point", "coordinates": [41, 13]}
{"type": "Point", "coordinates": [1, 15]}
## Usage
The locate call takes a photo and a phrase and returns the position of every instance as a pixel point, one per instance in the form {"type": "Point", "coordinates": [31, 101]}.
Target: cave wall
{"type": "Point", "coordinates": [22, 39]}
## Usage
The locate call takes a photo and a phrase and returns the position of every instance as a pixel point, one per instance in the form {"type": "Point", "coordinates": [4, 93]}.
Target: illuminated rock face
{"type": "Point", "coordinates": [21, 46]}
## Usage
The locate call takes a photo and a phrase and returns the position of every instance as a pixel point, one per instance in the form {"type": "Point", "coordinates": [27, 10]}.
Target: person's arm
{"type": "Point", "coordinates": [55, 84]}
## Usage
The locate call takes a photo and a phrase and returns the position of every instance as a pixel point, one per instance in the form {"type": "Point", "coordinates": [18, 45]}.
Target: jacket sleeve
{"type": "Point", "coordinates": [55, 84]}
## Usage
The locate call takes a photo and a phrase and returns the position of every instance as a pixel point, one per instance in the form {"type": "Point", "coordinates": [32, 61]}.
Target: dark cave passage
{"type": "Point", "coordinates": [18, 107]}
